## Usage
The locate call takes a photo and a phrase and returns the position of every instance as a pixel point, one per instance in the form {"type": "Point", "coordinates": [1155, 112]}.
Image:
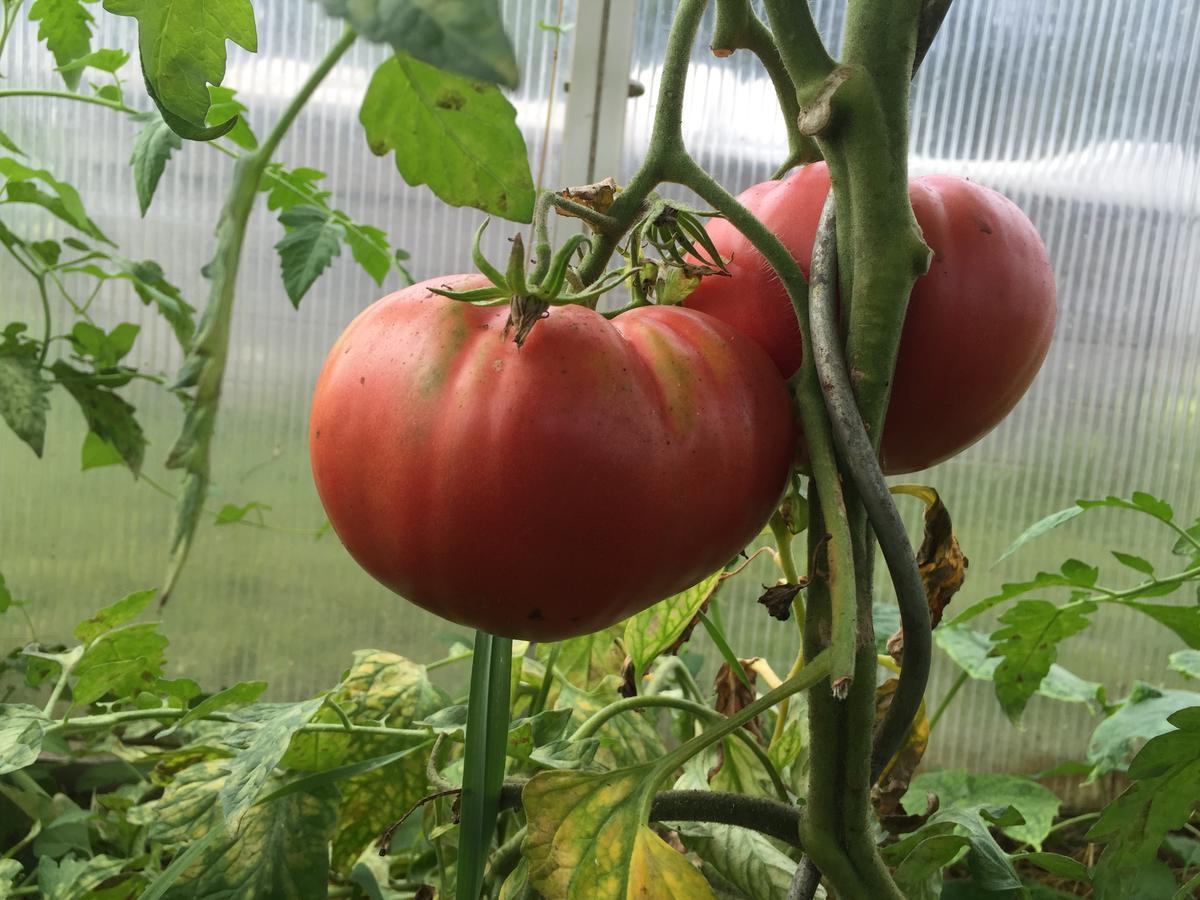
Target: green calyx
{"type": "Point", "coordinates": [531, 294]}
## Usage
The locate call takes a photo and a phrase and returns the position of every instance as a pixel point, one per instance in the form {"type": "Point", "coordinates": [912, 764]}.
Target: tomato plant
{"type": "Point", "coordinates": [499, 451]}
{"type": "Point", "coordinates": [594, 470]}
{"type": "Point", "coordinates": [979, 322]}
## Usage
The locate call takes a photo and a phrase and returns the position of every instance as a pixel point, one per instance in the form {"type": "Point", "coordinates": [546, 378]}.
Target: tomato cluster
{"type": "Point", "coordinates": [979, 322]}
{"type": "Point", "coordinates": [551, 489]}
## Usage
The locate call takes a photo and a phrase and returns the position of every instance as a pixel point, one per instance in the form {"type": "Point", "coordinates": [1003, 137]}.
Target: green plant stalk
{"type": "Point", "coordinates": [738, 28]}
{"type": "Point", "coordinates": [303, 189]}
{"type": "Point", "coordinates": [597, 720]}
{"type": "Point", "coordinates": [787, 563]}
{"type": "Point", "coordinates": [858, 458]}
{"type": "Point", "coordinates": [945, 702]}
{"type": "Point", "coordinates": [10, 17]}
{"type": "Point", "coordinates": [204, 367]}
{"type": "Point", "coordinates": [814, 673]}
{"type": "Point", "coordinates": [484, 759]}
{"type": "Point", "coordinates": [666, 140]}
{"type": "Point", "coordinates": [813, 418]}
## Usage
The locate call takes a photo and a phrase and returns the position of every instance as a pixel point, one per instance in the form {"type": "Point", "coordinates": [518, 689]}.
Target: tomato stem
{"type": "Point", "coordinates": [862, 464]}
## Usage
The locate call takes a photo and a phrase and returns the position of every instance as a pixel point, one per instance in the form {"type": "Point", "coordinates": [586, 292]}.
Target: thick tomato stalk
{"type": "Point", "coordinates": [548, 490]}
{"type": "Point", "coordinates": [979, 322]}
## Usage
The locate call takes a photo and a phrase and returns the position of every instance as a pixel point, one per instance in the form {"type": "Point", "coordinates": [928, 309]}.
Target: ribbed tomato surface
{"type": "Point", "coordinates": [553, 489]}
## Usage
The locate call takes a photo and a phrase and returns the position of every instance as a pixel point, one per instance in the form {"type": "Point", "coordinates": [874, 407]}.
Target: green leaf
{"type": "Point", "coordinates": [625, 740]}
{"type": "Point", "coordinates": [379, 686]}
{"type": "Point", "coordinates": [1144, 714]}
{"type": "Point", "coordinates": [70, 878]}
{"type": "Point", "coordinates": [48, 251]}
{"type": "Point", "coordinates": [1139, 501]}
{"type": "Point", "coordinates": [1187, 543]}
{"type": "Point", "coordinates": [97, 452]}
{"type": "Point", "coordinates": [120, 664]}
{"type": "Point", "coordinates": [152, 148]}
{"type": "Point", "coordinates": [64, 202]}
{"type": "Point", "coordinates": [1134, 562]}
{"type": "Point", "coordinates": [370, 249]}
{"type": "Point", "coordinates": [458, 136]}
{"type": "Point", "coordinates": [107, 414]}
{"type": "Point", "coordinates": [585, 661]}
{"type": "Point", "coordinates": [1186, 662]}
{"type": "Point", "coordinates": [24, 397]}
{"type": "Point", "coordinates": [957, 788]}
{"type": "Point", "coordinates": [242, 692]}
{"type": "Point", "coordinates": [1166, 775]}
{"type": "Point", "coordinates": [104, 349]}
{"type": "Point", "coordinates": [66, 28]}
{"type": "Point", "coordinates": [21, 730]}
{"type": "Point", "coordinates": [940, 841]}
{"type": "Point", "coordinates": [572, 816]}
{"type": "Point", "coordinates": [104, 60]}
{"type": "Point", "coordinates": [342, 773]}
{"type": "Point", "coordinates": [1183, 620]}
{"type": "Point", "coordinates": [745, 858]}
{"type": "Point", "coordinates": [281, 849]}
{"type": "Point", "coordinates": [129, 607]}
{"type": "Point", "coordinates": [182, 48]}
{"type": "Point", "coordinates": [152, 287]}
{"type": "Point", "coordinates": [567, 754]}
{"type": "Point", "coordinates": [1039, 528]}
{"type": "Point", "coordinates": [231, 514]}
{"type": "Point", "coordinates": [463, 36]}
{"type": "Point", "coordinates": [654, 630]}
{"type": "Point", "coordinates": [1028, 645]}
{"type": "Point", "coordinates": [286, 188]}
{"type": "Point", "coordinates": [312, 241]}
{"type": "Point", "coordinates": [7, 143]}
{"type": "Point", "coordinates": [10, 872]}
{"type": "Point", "coordinates": [248, 773]}
{"type": "Point", "coordinates": [1073, 574]}
{"type": "Point", "coordinates": [971, 650]}
{"type": "Point", "coordinates": [1056, 864]}
{"type": "Point", "coordinates": [224, 107]}
{"type": "Point", "coordinates": [6, 597]}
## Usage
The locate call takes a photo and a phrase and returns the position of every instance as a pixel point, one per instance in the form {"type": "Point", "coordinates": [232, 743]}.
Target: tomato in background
{"type": "Point", "coordinates": [553, 489]}
{"type": "Point", "coordinates": [979, 322]}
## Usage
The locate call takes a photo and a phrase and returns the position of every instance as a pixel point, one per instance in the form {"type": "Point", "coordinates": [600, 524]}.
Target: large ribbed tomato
{"type": "Point", "coordinates": [553, 489]}
{"type": "Point", "coordinates": [979, 321]}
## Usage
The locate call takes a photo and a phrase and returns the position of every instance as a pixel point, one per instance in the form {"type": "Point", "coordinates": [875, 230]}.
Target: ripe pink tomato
{"type": "Point", "coordinates": [553, 489]}
{"type": "Point", "coordinates": [979, 322]}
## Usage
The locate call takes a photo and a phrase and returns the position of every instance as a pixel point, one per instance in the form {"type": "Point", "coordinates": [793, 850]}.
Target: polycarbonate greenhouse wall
{"type": "Point", "coordinates": [1084, 112]}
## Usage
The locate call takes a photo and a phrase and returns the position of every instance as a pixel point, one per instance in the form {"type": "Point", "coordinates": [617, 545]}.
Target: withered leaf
{"type": "Point", "coordinates": [940, 559]}
{"type": "Point", "coordinates": [894, 781]}
{"type": "Point", "coordinates": [779, 598]}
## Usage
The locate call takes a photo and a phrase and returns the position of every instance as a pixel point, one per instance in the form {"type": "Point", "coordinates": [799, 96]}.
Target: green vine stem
{"type": "Point", "coordinates": [812, 418]}
{"type": "Point", "coordinates": [305, 190]}
{"type": "Point", "coordinates": [738, 28]}
{"type": "Point", "coordinates": [700, 711]}
{"type": "Point", "coordinates": [859, 459]}
{"type": "Point", "coordinates": [951, 693]}
{"type": "Point", "coordinates": [816, 671]}
{"type": "Point", "coordinates": [204, 367]}
{"type": "Point", "coordinates": [666, 140]}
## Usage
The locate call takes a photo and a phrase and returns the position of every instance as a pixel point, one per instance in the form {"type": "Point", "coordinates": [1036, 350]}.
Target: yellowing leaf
{"type": "Point", "coordinates": [587, 839]}
{"type": "Point", "coordinates": [662, 626]}
{"type": "Point", "coordinates": [658, 871]}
